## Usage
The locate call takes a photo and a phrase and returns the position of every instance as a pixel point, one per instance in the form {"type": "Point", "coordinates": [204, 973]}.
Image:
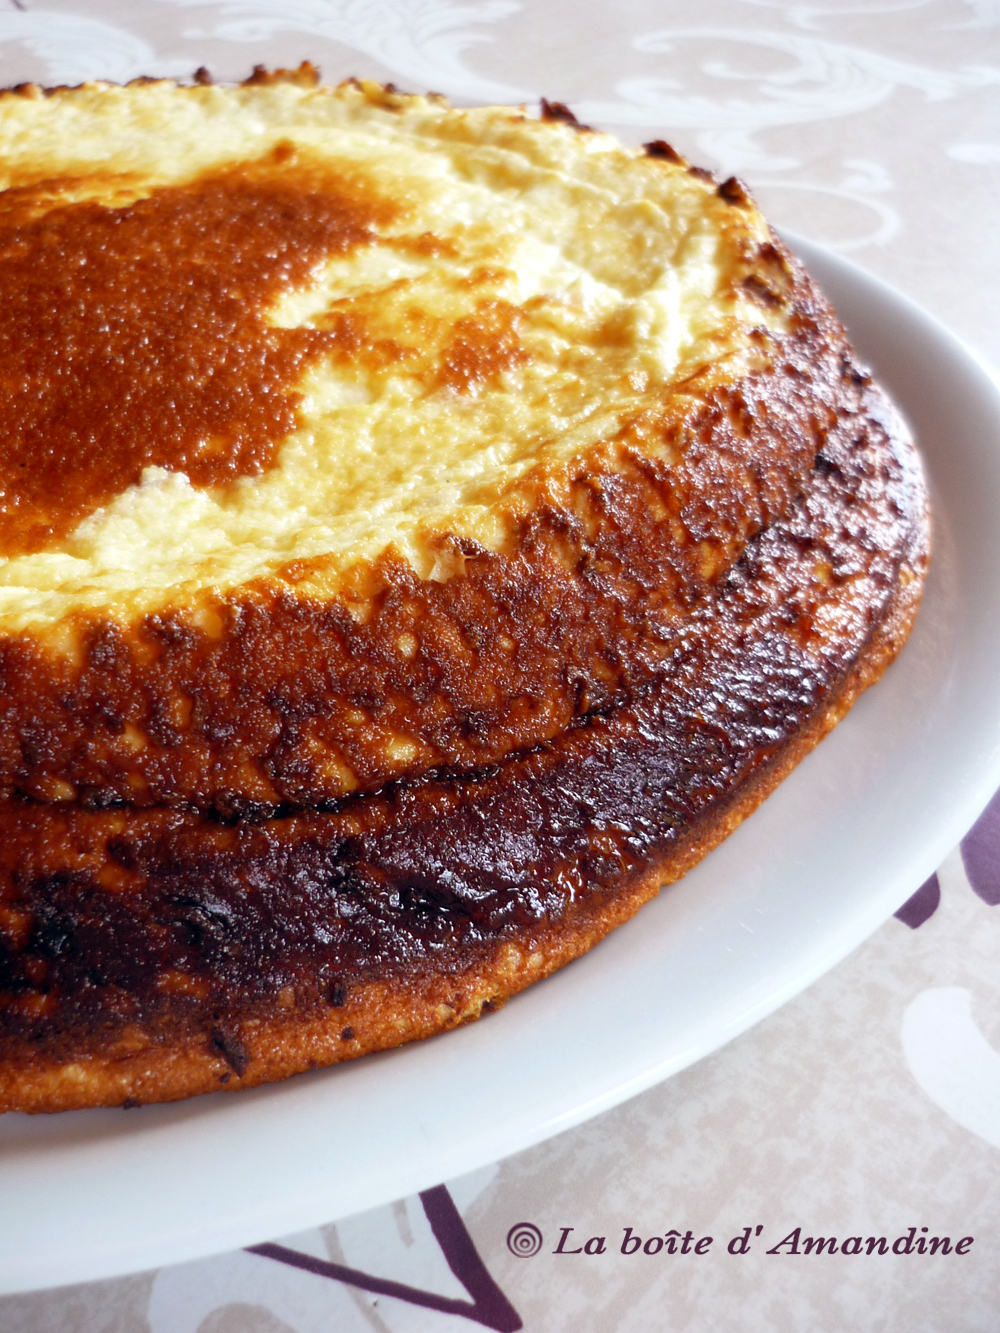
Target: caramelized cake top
{"type": "Point", "coordinates": [246, 328]}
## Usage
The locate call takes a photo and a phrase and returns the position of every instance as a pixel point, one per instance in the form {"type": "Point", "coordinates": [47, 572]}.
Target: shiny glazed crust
{"type": "Point", "coordinates": [154, 955]}
{"type": "Point", "coordinates": [279, 695]}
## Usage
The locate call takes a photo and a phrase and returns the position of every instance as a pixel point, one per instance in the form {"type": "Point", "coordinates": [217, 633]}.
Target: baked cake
{"type": "Point", "coordinates": [424, 534]}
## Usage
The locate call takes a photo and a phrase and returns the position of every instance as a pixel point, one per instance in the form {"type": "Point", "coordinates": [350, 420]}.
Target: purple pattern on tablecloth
{"type": "Point", "coordinates": [922, 905]}
{"type": "Point", "coordinates": [981, 857]}
{"type": "Point", "coordinates": [981, 853]}
{"type": "Point", "coordinates": [489, 1306]}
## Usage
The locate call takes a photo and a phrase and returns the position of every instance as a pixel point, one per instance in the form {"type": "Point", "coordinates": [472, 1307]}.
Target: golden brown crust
{"type": "Point", "coordinates": [155, 955]}
{"type": "Point", "coordinates": [381, 1015]}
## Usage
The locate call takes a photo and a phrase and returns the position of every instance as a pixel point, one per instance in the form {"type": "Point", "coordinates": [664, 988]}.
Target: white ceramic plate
{"type": "Point", "coordinates": [834, 852]}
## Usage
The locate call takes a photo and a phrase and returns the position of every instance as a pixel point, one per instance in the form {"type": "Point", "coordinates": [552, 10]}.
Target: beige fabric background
{"type": "Point", "coordinates": [872, 1103]}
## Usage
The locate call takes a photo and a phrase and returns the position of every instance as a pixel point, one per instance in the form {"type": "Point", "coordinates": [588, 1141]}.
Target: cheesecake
{"type": "Point", "coordinates": [424, 534]}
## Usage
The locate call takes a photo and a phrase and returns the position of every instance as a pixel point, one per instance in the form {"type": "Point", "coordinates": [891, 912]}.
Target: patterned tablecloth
{"type": "Point", "coordinates": [870, 1106]}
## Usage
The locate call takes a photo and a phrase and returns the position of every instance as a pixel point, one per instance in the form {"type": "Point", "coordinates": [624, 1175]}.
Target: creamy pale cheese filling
{"type": "Point", "coordinates": [487, 299]}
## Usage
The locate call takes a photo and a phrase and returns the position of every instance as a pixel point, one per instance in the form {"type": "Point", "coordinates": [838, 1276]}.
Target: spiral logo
{"type": "Point", "coordinates": [524, 1239]}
